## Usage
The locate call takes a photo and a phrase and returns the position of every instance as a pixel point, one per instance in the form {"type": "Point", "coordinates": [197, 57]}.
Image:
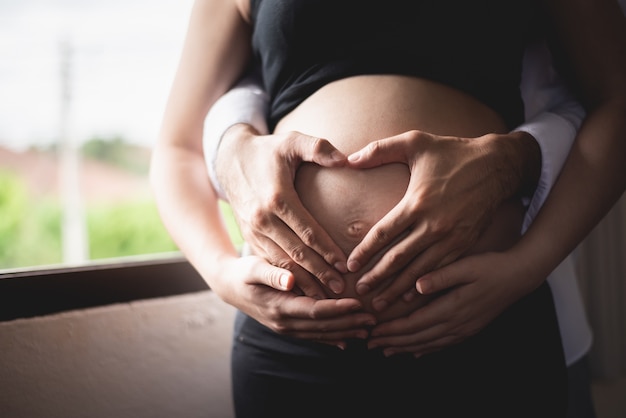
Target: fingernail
{"type": "Point", "coordinates": [353, 266]}
{"type": "Point", "coordinates": [379, 304]}
{"type": "Point", "coordinates": [336, 286]}
{"type": "Point", "coordinates": [362, 289]}
{"type": "Point", "coordinates": [354, 157]}
{"type": "Point", "coordinates": [409, 296]}
{"type": "Point", "coordinates": [284, 281]}
{"type": "Point", "coordinates": [422, 286]}
{"type": "Point", "coordinates": [357, 307]}
{"type": "Point", "coordinates": [341, 267]}
{"type": "Point", "coordinates": [389, 353]}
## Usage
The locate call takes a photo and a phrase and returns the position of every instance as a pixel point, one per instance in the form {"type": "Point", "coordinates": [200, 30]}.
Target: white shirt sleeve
{"type": "Point", "coordinates": [247, 103]}
{"type": "Point", "coordinates": [553, 118]}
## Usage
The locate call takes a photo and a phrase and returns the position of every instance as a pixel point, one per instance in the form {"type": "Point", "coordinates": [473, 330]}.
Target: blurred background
{"type": "Point", "coordinates": [83, 84]}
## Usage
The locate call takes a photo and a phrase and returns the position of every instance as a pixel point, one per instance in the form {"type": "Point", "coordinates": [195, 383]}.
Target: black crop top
{"type": "Point", "coordinates": [473, 45]}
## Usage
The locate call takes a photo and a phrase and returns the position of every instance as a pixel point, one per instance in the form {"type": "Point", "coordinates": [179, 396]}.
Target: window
{"type": "Point", "coordinates": [83, 88]}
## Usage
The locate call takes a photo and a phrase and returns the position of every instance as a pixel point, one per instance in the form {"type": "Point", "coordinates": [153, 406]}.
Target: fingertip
{"type": "Point", "coordinates": [285, 281]}
{"type": "Point", "coordinates": [336, 286]}
{"type": "Point", "coordinates": [361, 334]}
{"type": "Point", "coordinates": [341, 267]}
{"type": "Point", "coordinates": [409, 296]}
{"type": "Point", "coordinates": [356, 306]}
{"type": "Point", "coordinates": [353, 266]}
{"type": "Point", "coordinates": [389, 352]}
{"type": "Point", "coordinates": [380, 304]}
{"type": "Point", "coordinates": [362, 289]}
{"type": "Point", "coordinates": [423, 286]}
{"type": "Point", "coordinates": [353, 158]}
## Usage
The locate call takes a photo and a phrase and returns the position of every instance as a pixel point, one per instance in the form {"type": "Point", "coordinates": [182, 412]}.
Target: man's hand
{"type": "Point", "coordinates": [257, 174]}
{"type": "Point", "coordinates": [265, 293]}
{"type": "Point", "coordinates": [455, 187]}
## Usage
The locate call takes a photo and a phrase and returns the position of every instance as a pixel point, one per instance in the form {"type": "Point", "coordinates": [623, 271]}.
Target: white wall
{"type": "Point", "coordinates": [166, 357]}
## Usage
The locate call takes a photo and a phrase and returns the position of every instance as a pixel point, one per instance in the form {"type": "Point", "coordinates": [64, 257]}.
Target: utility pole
{"type": "Point", "coordinates": [73, 227]}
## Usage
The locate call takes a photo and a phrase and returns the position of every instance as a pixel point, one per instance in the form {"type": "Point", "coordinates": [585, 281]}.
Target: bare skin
{"type": "Point", "coordinates": [352, 113]}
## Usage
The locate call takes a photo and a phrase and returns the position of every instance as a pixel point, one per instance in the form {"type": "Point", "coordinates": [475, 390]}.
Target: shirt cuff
{"type": "Point", "coordinates": [245, 103]}
{"type": "Point", "coordinates": [555, 136]}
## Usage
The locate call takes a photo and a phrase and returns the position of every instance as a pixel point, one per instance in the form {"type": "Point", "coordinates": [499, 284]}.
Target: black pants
{"type": "Point", "coordinates": [513, 368]}
{"type": "Point", "coordinates": [580, 398]}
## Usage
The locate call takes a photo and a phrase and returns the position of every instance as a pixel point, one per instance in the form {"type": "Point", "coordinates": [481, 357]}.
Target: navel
{"type": "Point", "coordinates": [357, 229]}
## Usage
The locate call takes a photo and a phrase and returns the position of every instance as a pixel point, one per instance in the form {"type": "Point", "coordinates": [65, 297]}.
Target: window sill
{"type": "Point", "coordinates": [26, 293]}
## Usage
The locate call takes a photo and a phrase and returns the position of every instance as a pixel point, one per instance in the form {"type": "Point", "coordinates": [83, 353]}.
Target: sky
{"type": "Point", "coordinates": [123, 55]}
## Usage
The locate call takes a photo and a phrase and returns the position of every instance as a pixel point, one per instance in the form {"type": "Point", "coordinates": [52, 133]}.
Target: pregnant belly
{"type": "Point", "coordinates": [347, 202]}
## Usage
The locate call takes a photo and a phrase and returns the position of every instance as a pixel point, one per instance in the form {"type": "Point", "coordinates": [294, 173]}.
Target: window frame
{"type": "Point", "coordinates": [30, 292]}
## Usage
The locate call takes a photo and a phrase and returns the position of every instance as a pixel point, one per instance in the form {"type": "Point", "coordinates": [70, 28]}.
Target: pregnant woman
{"type": "Point", "coordinates": [352, 73]}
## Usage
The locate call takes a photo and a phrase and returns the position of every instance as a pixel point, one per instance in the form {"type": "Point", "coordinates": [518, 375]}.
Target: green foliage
{"type": "Point", "coordinates": [231, 224]}
{"type": "Point", "coordinates": [30, 229]}
{"type": "Point", "coordinates": [134, 228]}
{"type": "Point", "coordinates": [127, 228]}
{"type": "Point", "coordinates": [12, 203]}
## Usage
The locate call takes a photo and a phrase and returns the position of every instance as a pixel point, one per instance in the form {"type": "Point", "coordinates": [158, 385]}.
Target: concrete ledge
{"type": "Point", "coordinates": [46, 291]}
{"type": "Point", "coordinates": [162, 357]}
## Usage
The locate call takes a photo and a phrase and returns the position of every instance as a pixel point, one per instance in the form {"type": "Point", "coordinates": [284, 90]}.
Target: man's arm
{"type": "Point", "coordinates": [246, 103]}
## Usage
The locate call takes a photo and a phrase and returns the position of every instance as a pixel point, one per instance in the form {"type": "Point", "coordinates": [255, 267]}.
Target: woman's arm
{"type": "Point", "coordinates": [594, 176]}
{"type": "Point", "coordinates": [186, 201]}
{"type": "Point", "coordinates": [215, 52]}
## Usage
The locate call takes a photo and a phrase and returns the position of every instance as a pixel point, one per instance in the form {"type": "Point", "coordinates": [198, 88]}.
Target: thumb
{"type": "Point", "coordinates": [275, 277]}
{"type": "Point", "coordinates": [319, 151]}
{"type": "Point", "coordinates": [280, 279]}
{"type": "Point", "coordinates": [444, 278]}
{"type": "Point", "coordinates": [377, 153]}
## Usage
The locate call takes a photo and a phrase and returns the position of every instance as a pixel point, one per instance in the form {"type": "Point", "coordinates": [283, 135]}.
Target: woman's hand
{"type": "Point", "coordinates": [456, 184]}
{"type": "Point", "coordinates": [264, 292]}
{"type": "Point", "coordinates": [472, 292]}
{"type": "Point", "coordinates": [257, 174]}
